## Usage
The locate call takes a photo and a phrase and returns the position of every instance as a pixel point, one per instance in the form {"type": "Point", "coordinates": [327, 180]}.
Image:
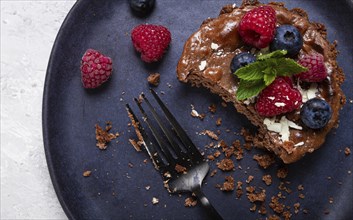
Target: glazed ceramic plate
{"type": "Point", "coordinates": [116, 190]}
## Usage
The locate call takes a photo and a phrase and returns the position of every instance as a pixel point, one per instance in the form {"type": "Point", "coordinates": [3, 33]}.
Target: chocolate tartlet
{"type": "Point", "coordinates": [206, 59]}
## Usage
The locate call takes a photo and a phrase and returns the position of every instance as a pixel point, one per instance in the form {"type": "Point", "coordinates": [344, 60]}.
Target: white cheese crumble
{"type": "Point", "coordinates": [202, 65]}
{"type": "Point", "coordinates": [281, 127]}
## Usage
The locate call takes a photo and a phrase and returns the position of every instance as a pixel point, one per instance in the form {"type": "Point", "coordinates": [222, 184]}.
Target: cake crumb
{"type": "Point", "coordinates": [253, 208]}
{"type": "Point", "coordinates": [276, 205]}
{"type": "Point", "coordinates": [296, 207]}
{"type": "Point", "coordinates": [180, 169]}
{"type": "Point", "coordinates": [130, 165]}
{"type": "Point", "coordinates": [211, 134]}
{"type": "Point", "coordinates": [87, 173]}
{"type": "Point", "coordinates": [190, 202]}
{"type": "Point", "coordinates": [228, 185]}
{"type": "Point", "coordinates": [300, 187]}
{"type": "Point", "coordinates": [103, 137]}
{"type": "Point", "coordinates": [153, 79]}
{"type": "Point", "coordinates": [264, 160]}
{"type": "Point", "coordinates": [347, 151]}
{"type": "Point", "coordinates": [226, 165]}
{"type": "Point", "coordinates": [213, 173]}
{"type": "Point", "coordinates": [239, 189]}
{"type": "Point", "coordinates": [212, 108]}
{"type": "Point", "coordinates": [217, 153]}
{"type": "Point", "coordinates": [282, 172]}
{"type": "Point", "coordinates": [219, 121]}
{"type": "Point", "coordinates": [267, 179]}
{"type": "Point", "coordinates": [250, 178]}
{"type": "Point", "coordinates": [255, 196]}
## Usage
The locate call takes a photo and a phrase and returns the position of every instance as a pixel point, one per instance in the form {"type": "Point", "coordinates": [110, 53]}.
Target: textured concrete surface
{"type": "Point", "coordinates": [28, 31]}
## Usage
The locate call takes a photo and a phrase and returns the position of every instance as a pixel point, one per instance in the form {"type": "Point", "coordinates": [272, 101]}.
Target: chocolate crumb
{"type": "Point", "coordinates": [274, 217]}
{"type": "Point", "coordinates": [226, 165]}
{"type": "Point", "coordinates": [282, 172]}
{"type": "Point", "coordinates": [213, 173]}
{"type": "Point", "coordinates": [262, 209]}
{"type": "Point", "coordinates": [130, 165]}
{"type": "Point", "coordinates": [212, 108]}
{"type": "Point", "coordinates": [190, 202]}
{"type": "Point", "coordinates": [217, 153]}
{"type": "Point", "coordinates": [153, 79]}
{"type": "Point", "coordinates": [250, 178]}
{"type": "Point", "coordinates": [211, 134]}
{"type": "Point", "coordinates": [256, 196]}
{"type": "Point", "coordinates": [87, 173]}
{"type": "Point", "coordinates": [300, 187]}
{"type": "Point", "coordinates": [219, 121]}
{"type": "Point", "coordinates": [267, 179]}
{"type": "Point", "coordinates": [103, 137]}
{"type": "Point", "coordinates": [180, 169]}
{"type": "Point", "coordinates": [239, 189]}
{"type": "Point", "coordinates": [302, 196]}
{"type": "Point", "coordinates": [253, 208]}
{"type": "Point", "coordinates": [228, 185]}
{"type": "Point", "coordinates": [264, 160]}
{"type": "Point", "coordinates": [296, 207]}
{"type": "Point", "coordinates": [276, 205]}
{"type": "Point", "coordinates": [347, 151]}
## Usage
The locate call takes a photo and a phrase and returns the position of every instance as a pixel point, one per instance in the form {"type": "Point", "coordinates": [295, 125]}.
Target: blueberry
{"type": "Point", "coordinates": [142, 7]}
{"type": "Point", "coordinates": [241, 60]}
{"type": "Point", "coordinates": [287, 38]}
{"type": "Point", "coordinates": [316, 113]}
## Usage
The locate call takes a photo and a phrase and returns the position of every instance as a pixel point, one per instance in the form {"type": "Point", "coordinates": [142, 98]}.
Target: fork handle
{"type": "Point", "coordinates": [204, 201]}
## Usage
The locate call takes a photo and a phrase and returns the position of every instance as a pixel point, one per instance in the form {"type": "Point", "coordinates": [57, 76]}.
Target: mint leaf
{"type": "Point", "coordinates": [274, 54]}
{"type": "Point", "coordinates": [288, 67]}
{"type": "Point", "coordinates": [256, 76]}
{"type": "Point", "coordinates": [269, 78]}
{"type": "Point", "coordinates": [250, 72]}
{"type": "Point", "coordinates": [248, 89]}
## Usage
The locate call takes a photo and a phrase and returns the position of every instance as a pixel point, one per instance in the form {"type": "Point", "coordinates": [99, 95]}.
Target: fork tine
{"type": "Point", "coordinates": [185, 139]}
{"type": "Point", "coordinates": [177, 149]}
{"type": "Point", "coordinates": [148, 145]}
{"type": "Point", "coordinates": [159, 140]}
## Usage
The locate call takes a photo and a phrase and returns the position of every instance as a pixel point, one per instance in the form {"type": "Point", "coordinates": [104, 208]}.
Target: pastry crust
{"type": "Point", "coordinates": [206, 59]}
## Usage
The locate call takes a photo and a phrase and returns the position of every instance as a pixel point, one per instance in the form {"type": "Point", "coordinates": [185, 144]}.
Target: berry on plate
{"type": "Point", "coordinates": [241, 60]}
{"type": "Point", "coordinates": [316, 113]}
{"type": "Point", "coordinates": [151, 41]}
{"type": "Point", "coordinates": [95, 69]}
{"type": "Point", "coordinates": [287, 38]}
{"type": "Point", "coordinates": [316, 68]}
{"type": "Point", "coordinates": [257, 27]}
{"type": "Point", "coordinates": [142, 7]}
{"type": "Point", "coordinates": [278, 98]}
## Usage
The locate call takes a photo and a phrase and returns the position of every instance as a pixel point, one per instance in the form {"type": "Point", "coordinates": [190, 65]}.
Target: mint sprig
{"type": "Point", "coordinates": [256, 76]}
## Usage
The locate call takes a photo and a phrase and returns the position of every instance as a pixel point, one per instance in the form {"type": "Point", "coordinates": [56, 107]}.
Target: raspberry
{"type": "Point", "coordinates": [278, 98]}
{"type": "Point", "coordinates": [316, 68]}
{"type": "Point", "coordinates": [95, 69]}
{"type": "Point", "coordinates": [151, 41]}
{"type": "Point", "coordinates": [258, 26]}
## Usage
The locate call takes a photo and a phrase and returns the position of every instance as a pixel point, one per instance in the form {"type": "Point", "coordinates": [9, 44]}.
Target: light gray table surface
{"type": "Point", "coordinates": [28, 31]}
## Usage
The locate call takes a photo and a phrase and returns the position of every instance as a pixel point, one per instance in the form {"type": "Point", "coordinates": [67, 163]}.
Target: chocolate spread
{"type": "Point", "coordinates": [206, 60]}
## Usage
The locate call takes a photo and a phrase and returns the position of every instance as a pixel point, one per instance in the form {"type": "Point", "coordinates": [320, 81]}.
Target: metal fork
{"type": "Point", "coordinates": [180, 163]}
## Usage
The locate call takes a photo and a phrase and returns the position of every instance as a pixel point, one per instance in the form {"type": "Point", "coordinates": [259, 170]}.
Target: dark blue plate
{"type": "Point", "coordinates": [116, 191]}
